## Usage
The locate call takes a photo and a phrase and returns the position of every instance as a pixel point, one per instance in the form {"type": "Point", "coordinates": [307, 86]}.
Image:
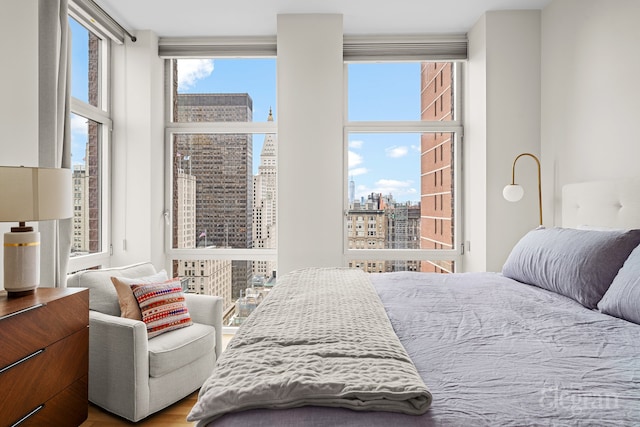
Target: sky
{"type": "Point", "coordinates": [387, 163]}
{"type": "Point", "coordinates": [79, 89]}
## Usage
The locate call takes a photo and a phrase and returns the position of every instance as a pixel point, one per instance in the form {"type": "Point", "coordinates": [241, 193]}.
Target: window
{"type": "Point", "coordinates": [222, 176]}
{"type": "Point", "coordinates": [402, 139]}
{"type": "Point", "coordinates": [90, 124]}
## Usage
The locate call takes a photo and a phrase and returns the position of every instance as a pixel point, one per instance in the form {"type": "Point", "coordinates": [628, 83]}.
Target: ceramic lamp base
{"type": "Point", "coordinates": [21, 261]}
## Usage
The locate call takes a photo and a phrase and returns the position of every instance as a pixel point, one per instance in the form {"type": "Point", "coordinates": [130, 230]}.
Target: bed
{"type": "Point", "coordinates": [552, 340]}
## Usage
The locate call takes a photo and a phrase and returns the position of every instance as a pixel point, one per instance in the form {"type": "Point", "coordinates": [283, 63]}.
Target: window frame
{"type": "Point", "coordinates": [103, 116]}
{"type": "Point", "coordinates": [214, 128]}
{"type": "Point", "coordinates": [175, 128]}
{"type": "Point", "coordinates": [455, 127]}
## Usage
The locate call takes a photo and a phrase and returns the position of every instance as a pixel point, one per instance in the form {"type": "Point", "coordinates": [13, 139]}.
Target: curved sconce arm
{"type": "Point", "coordinates": [514, 192]}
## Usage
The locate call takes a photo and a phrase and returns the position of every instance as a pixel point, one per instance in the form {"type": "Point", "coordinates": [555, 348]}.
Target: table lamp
{"type": "Point", "coordinates": [29, 194]}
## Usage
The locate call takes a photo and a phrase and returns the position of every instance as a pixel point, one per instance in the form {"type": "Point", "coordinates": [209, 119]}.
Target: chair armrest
{"type": "Point", "coordinates": [207, 309]}
{"type": "Point", "coordinates": [118, 364]}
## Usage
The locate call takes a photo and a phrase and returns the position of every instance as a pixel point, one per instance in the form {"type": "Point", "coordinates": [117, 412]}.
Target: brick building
{"type": "Point", "coordinates": [436, 167]}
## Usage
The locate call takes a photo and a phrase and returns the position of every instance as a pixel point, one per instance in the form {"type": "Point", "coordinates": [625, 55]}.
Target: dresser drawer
{"type": "Point", "coordinates": [67, 409]}
{"type": "Point", "coordinates": [42, 322]}
{"type": "Point", "coordinates": [31, 383]}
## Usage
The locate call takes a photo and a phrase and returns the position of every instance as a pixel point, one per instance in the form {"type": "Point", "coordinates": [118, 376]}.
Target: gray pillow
{"type": "Point", "coordinates": [579, 264]}
{"type": "Point", "coordinates": [623, 297]}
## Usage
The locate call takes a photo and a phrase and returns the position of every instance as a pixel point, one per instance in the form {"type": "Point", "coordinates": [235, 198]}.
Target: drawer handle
{"type": "Point", "coordinates": [24, 359]}
{"type": "Point", "coordinates": [29, 415]}
{"type": "Point", "coordinates": [24, 310]}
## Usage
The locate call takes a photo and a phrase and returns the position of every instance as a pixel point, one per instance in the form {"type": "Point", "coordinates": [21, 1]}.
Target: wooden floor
{"type": "Point", "coordinates": [174, 415]}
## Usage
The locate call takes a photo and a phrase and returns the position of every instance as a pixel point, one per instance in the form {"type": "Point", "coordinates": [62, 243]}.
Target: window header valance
{"type": "Point", "coordinates": [405, 48]}
{"type": "Point", "coordinates": [208, 47]}
{"type": "Point", "coordinates": [355, 48]}
{"type": "Point", "coordinates": [98, 20]}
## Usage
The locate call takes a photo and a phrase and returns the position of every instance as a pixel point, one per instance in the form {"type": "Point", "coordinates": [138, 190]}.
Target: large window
{"type": "Point", "coordinates": [222, 178]}
{"type": "Point", "coordinates": [90, 124]}
{"type": "Point", "coordinates": [402, 139]}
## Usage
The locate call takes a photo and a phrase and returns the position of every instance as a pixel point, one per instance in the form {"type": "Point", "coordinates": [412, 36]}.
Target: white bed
{"type": "Point", "coordinates": [491, 350]}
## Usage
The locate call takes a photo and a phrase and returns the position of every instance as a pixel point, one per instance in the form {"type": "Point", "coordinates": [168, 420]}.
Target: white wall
{"type": "Point", "coordinates": [502, 120]}
{"type": "Point", "coordinates": [590, 93]}
{"type": "Point", "coordinates": [310, 151]}
{"type": "Point", "coordinates": [563, 84]}
{"type": "Point", "coordinates": [474, 150]}
{"type": "Point", "coordinates": [138, 153]}
{"type": "Point", "coordinates": [19, 74]}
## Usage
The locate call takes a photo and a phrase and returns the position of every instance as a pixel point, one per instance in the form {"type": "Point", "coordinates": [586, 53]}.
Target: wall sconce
{"type": "Point", "coordinates": [514, 192]}
{"type": "Point", "coordinates": [30, 194]}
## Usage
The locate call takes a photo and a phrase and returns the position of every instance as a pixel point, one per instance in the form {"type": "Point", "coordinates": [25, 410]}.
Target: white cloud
{"type": "Point", "coordinates": [79, 131]}
{"type": "Point", "coordinates": [356, 144]}
{"type": "Point", "coordinates": [401, 190]}
{"type": "Point", "coordinates": [355, 159]}
{"type": "Point", "coordinates": [192, 70]}
{"type": "Point", "coordinates": [358, 171]}
{"type": "Point", "coordinates": [393, 183]}
{"type": "Point", "coordinates": [79, 125]}
{"type": "Point", "coordinates": [396, 152]}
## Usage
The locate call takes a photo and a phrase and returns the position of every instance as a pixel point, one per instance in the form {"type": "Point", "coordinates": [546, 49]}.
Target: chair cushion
{"type": "Point", "coordinates": [175, 349]}
{"type": "Point", "coordinates": [102, 294]}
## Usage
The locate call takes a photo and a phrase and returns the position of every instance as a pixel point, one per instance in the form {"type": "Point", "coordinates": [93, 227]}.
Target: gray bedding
{"type": "Point", "coordinates": [321, 338]}
{"type": "Point", "coordinates": [495, 352]}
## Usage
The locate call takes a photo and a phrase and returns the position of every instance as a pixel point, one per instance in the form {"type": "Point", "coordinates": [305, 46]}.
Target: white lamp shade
{"type": "Point", "coordinates": [35, 194]}
{"type": "Point", "coordinates": [513, 192]}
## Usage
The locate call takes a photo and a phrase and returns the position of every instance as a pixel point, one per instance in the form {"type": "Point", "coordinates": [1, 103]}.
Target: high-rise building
{"type": "Point", "coordinates": [80, 182]}
{"type": "Point", "coordinates": [92, 156]}
{"type": "Point", "coordinates": [186, 208]}
{"type": "Point", "coordinates": [222, 166]}
{"type": "Point", "coordinates": [265, 197]}
{"type": "Point", "coordinates": [208, 276]}
{"type": "Point", "coordinates": [352, 190]}
{"type": "Point", "coordinates": [436, 167]}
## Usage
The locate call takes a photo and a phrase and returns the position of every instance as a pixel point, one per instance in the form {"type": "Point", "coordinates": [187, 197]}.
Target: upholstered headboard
{"type": "Point", "coordinates": [614, 204]}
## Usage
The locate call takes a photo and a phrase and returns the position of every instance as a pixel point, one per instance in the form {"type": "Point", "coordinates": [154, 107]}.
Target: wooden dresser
{"type": "Point", "coordinates": [44, 358]}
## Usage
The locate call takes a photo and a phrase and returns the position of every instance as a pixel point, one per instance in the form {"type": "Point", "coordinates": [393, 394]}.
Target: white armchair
{"type": "Point", "coordinates": [131, 375]}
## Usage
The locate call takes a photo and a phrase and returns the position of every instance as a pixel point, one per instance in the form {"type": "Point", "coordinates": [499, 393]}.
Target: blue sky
{"type": "Point", "coordinates": [380, 163]}
{"type": "Point", "coordinates": [387, 163]}
{"type": "Point", "coordinates": [79, 88]}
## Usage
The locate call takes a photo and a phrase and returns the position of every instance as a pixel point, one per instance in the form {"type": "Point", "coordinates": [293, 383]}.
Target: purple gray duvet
{"type": "Point", "coordinates": [494, 352]}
